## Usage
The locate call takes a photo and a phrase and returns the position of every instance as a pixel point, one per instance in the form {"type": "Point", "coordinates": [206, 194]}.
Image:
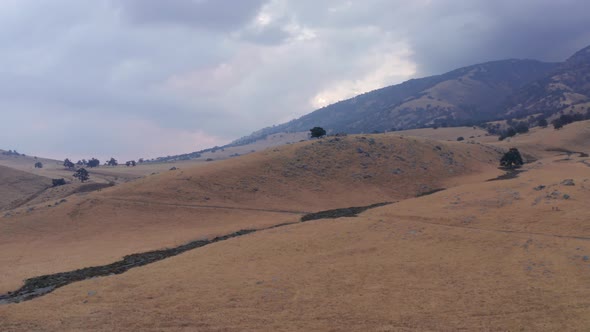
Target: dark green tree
{"type": "Point", "coordinates": [317, 132]}
{"type": "Point", "coordinates": [93, 163]}
{"type": "Point", "coordinates": [521, 128]}
{"type": "Point", "coordinates": [511, 159]}
{"type": "Point", "coordinates": [38, 164]}
{"type": "Point", "coordinates": [543, 123]}
{"type": "Point", "coordinates": [58, 182]}
{"type": "Point", "coordinates": [112, 162]}
{"type": "Point", "coordinates": [82, 175]}
{"type": "Point", "coordinates": [68, 164]}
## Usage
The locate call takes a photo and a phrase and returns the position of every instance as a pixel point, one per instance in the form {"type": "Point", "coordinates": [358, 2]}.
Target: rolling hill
{"type": "Point", "coordinates": [18, 187]}
{"type": "Point", "coordinates": [258, 190]}
{"type": "Point", "coordinates": [509, 254]}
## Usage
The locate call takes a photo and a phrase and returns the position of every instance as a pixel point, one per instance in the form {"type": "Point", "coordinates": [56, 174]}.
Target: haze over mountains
{"type": "Point", "coordinates": [474, 94]}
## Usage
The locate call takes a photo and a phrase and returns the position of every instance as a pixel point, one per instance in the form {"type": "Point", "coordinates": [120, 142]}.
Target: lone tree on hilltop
{"type": "Point", "coordinates": [511, 159]}
{"type": "Point", "coordinates": [82, 175]}
{"type": "Point", "coordinates": [112, 162]}
{"type": "Point", "coordinates": [68, 164]}
{"type": "Point", "coordinates": [317, 132]}
{"type": "Point", "coordinates": [38, 164]}
{"type": "Point", "coordinates": [93, 162]}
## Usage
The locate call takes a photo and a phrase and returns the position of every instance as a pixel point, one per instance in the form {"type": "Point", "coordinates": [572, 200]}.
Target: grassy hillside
{"type": "Point", "coordinates": [258, 190]}
{"type": "Point", "coordinates": [504, 255]}
{"type": "Point", "coordinates": [18, 187]}
{"type": "Point", "coordinates": [566, 87]}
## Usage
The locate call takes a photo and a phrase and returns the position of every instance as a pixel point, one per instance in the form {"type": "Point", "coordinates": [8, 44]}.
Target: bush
{"type": "Point", "coordinates": [58, 182]}
{"type": "Point", "coordinates": [317, 132]}
{"type": "Point", "coordinates": [521, 128]}
{"type": "Point", "coordinates": [93, 162]}
{"type": "Point", "coordinates": [542, 123]}
{"type": "Point", "coordinates": [511, 159]}
{"type": "Point", "coordinates": [82, 175]}
{"type": "Point", "coordinates": [38, 164]}
{"type": "Point", "coordinates": [68, 164]}
{"type": "Point", "coordinates": [460, 138]}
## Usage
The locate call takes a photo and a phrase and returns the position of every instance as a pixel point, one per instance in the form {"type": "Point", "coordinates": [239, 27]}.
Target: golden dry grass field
{"type": "Point", "coordinates": [504, 255]}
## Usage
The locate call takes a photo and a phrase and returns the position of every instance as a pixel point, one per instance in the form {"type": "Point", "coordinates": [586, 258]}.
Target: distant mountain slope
{"type": "Point", "coordinates": [568, 85]}
{"type": "Point", "coordinates": [457, 97]}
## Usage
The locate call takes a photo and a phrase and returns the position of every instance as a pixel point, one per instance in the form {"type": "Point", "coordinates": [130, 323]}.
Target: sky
{"type": "Point", "coordinates": [149, 78]}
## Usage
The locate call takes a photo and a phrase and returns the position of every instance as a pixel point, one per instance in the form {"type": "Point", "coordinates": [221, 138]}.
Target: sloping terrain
{"type": "Point", "coordinates": [451, 134]}
{"type": "Point", "coordinates": [484, 254]}
{"type": "Point", "coordinates": [464, 95]}
{"type": "Point", "coordinates": [18, 187]}
{"type": "Point", "coordinates": [544, 142]}
{"type": "Point", "coordinates": [506, 255]}
{"type": "Point", "coordinates": [258, 190]}
{"type": "Point", "coordinates": [567, 86]}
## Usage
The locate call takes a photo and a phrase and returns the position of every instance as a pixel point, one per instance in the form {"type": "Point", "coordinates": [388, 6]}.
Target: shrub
{"type": "Point", "coordinates": [82, 175]}
{"type": "Point", "coordinates": [511, 159]}
{"type": "Point", "coordinates": [58, 182]}
{"type": "Point", "coordinates": [317, 132]}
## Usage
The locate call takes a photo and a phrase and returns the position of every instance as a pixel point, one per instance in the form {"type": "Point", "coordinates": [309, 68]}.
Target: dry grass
{"type": "Point", "coordinates": [501, 255]}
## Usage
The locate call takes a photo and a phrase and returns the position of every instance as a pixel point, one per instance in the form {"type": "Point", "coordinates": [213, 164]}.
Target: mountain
{"type": "Point", "coordinates": [567, 86]}
{"type": "Point", "coordinates": [458, 97]}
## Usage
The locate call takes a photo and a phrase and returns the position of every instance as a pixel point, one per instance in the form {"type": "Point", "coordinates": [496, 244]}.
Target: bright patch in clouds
{"type": "Point", "coordinates": [382, 69]}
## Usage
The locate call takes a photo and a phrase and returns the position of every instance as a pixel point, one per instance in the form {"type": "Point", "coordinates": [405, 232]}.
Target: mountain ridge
{"type": "Point", "coordinates": [440, 100]}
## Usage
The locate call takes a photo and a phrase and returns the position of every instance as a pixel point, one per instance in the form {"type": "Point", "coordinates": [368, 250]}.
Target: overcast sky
{"type": "Point", "coordinates": [147, 78]}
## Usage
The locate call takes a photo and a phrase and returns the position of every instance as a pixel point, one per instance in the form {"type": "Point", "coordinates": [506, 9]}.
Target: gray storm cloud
{"type": "Point", "coordinates": [145, 78]}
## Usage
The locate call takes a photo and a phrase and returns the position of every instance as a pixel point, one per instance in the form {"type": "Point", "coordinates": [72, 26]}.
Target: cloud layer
{"type": "Point", "coordinates": [145, 78]}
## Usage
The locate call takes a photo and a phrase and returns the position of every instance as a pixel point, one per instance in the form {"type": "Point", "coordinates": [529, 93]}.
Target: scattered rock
{"type": "Point", "coordinates": [173, 168]}
{"type": "Point", "coordinates": [586, 258]}
{"type": "Point", "coordinates": [539, 187]}
{"type": "Point", "coordinates": [568, 182]}
{"type": "Point", "coordinates": [566, 196]}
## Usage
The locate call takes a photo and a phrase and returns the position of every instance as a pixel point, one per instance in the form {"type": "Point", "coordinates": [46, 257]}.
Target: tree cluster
{"type": "Point", "coordinates": [93, 163]}
{"type": "Point", "coordinates": [516, 127]}
{"type": "Point", "coordinates": [569, 118]}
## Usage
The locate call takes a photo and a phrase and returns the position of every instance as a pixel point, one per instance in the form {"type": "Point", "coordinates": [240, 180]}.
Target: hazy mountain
{"type": "Point", "coordinates": [568, 85]}
{"type": "Point", "coordinates": [461, 96]}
